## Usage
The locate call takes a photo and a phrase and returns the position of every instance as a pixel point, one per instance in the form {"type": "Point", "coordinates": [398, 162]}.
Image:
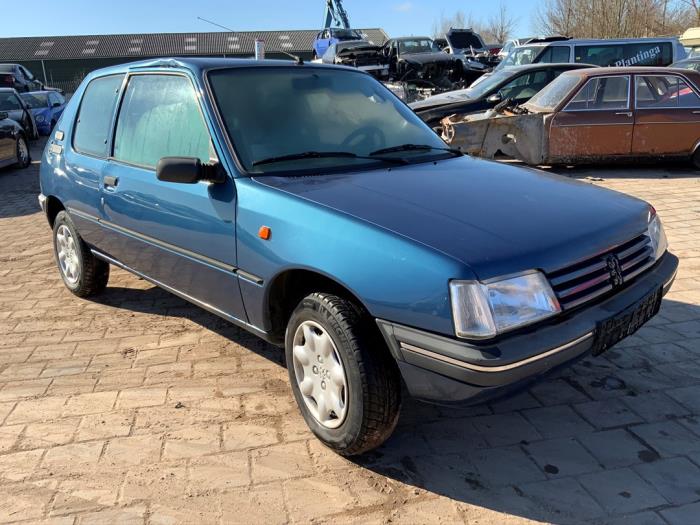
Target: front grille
{"type": "Point", "coordinates": [584, 281]}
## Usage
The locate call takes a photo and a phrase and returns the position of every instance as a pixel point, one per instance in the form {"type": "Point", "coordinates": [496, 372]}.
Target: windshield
{"type": "Point", "coordinates": [9, 102]}
{"type": "Point", "coordinates": [521, 56]}
{"type": "Point", "coordinates": [36, 100]}
{"type": "Point", "coordinates": [346, 34]}
{"type": "Point", "coordinates": [272, 112]}
{"type": "Point", "coordinates": [419, 45]}
{"type": "Point", "coordinates": [553, 93]}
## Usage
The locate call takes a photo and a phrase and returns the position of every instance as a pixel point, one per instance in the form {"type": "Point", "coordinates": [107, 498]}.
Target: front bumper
{"type": "Point", "coordinates": [443, 369]}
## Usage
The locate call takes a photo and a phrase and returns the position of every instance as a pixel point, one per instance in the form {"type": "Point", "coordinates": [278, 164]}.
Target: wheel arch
{"type": "Point", "coordinates": [53, 207]}
{"type": "Point", "coordinates": [289, 287]}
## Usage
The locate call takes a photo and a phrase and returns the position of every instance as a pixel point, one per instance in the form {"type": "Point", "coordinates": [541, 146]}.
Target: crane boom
{"type": "Point", "coordinates": [335, 15]}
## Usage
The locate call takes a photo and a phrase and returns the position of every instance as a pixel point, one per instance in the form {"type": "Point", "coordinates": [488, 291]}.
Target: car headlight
{"type": "Point", "coordinates": [482, 310]}
{"type": "Point", "coordinates": [39, 118]}
{"type": "Point", "coordinates": [656, 233]}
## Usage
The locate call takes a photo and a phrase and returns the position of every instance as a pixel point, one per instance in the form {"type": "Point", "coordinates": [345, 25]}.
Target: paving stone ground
{"type": "Point", "coordinates": [137, 407]}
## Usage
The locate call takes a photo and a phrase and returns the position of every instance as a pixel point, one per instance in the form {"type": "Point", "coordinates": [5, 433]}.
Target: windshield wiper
{"type": "Point", "coordinates": [322, 155]}
{"type": "Point", "coordinates": [414, 147]}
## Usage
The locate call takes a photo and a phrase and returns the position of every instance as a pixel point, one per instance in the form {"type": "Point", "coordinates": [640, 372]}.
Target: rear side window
{"type": "Point", "coordinates": [665, 91]}
{"type": "Point", "coordinates": [92, 128]}
{"type": "Point", "coordinates": [602, 93]}
{"type": "Point", "coordinates": [160, 117]}
{"type": "Point", "coordinates": [554, 54]}
{"type": "Point", "coordinates": [633, 54]}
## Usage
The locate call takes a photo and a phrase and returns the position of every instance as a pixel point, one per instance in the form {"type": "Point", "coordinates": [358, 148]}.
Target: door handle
{"type": "Point", "coordinates": [626, 113]}
{"type": "Point", "coordinates": [110, 182]}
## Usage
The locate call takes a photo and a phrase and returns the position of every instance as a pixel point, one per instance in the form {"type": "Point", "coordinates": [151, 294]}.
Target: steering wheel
{"type": "Point", "coordinates": [369, 136]}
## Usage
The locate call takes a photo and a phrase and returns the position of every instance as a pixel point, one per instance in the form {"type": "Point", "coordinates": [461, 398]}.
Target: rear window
{"type": "Point", "coordinates": [94, 122]}
{"type": "Point", "coordinates": [619, 55]}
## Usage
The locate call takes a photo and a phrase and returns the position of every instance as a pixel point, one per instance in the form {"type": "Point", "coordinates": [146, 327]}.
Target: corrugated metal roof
{"type": "Point", "coordinates": [160, 44]}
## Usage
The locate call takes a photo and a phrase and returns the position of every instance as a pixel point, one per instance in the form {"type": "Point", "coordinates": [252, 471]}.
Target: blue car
{"type": "Point", "coordinates": [46, 106]}
{"type": "Point", "coordinates": [332, 35]}
{"type": "Point", "coordinates": [308, 205]}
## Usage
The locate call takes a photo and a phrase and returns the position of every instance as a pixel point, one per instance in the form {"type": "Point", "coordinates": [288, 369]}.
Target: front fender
{"type": "Point", "coordinates": [393, 276]}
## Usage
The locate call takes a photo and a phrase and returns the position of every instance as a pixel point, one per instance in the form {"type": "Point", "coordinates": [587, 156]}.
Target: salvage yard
{"type": "Point", "coordinates": [141, 408]}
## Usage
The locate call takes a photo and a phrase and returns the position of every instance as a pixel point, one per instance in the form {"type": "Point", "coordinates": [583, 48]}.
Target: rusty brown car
{"type": "Point", "coordinates": [592, 115]}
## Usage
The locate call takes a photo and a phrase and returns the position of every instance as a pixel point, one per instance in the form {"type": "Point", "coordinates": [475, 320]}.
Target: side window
{"type": "Point", "coordinates": [61, 99]}
{"type": "Point", "coordinates": [667, 91]}
{"type": "Point", "coordinates": [602, 93]}
{"type": "Point", "coordinates": [27, 73]}
{"type": "Point", "coordinates": [94, 121]}
{"type": "Point", "coordinates": [560, 54]}
{"type": "Point", "coordinates": [160, 117]}
{"type": "Point", "coordinates": [554, 54]}
{"type": "Point", "coordinates": [600, 55]}
{"type": "Point", "coordinates": [9, 102]}
{"type": "Point", "coordinates": [525, 86]}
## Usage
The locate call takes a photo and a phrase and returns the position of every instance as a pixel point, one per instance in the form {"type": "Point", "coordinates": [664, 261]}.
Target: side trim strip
{"type": "Point", "coordinates": [183, 295]}
{"type": "Point", "coordinates": [170, 247]}
{"type": "Point", "coordinates": [503, 368]}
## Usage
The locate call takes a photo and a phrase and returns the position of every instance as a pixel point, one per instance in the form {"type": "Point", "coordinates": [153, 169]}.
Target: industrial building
{"type": "Point", "coordinates": [63, 61]}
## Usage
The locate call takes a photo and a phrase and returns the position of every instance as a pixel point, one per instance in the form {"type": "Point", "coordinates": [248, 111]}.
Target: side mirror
{"type": "Point", "coordinates": [495, 98]}
{"type": "Point", "coordinates": [188, 170]}
{"type": "Point", "coordinates": [56, 105]}
{"type": "Point", "coordinates": [3, 115]}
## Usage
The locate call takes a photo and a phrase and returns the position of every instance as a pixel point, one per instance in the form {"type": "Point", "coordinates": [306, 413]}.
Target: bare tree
{"type": "Point", "coordinates": [458, 21]}
{"type": "Point", "coordinates": [615, 18]}
{"type": "Point", "coordinates": [500, 26]}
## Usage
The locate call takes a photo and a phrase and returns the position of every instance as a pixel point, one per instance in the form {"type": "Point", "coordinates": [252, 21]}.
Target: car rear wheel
{"type": "Point", "coordinates": [344, 380]}
{"type": "Point", "coordinates": [82, 272]}
{"type": "Point", "coordinates": [23, 157]}
{"type": "Point", "coordinates": [696, 158]}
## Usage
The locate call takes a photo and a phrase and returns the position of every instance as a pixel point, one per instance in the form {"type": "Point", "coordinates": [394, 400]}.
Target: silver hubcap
{"type": "Point", "coordinates": [67, 254]}
{"type": "Point", "coordinates": [320, 374]}
{"type": "Point", "coordinates": [22, 150]}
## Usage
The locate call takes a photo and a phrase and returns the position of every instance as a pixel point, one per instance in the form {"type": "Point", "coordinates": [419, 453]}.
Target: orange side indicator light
{"type": "Point", "coordinates": [264, 233]}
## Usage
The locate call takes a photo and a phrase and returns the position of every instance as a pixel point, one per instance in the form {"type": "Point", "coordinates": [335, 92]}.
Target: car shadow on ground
{"type": "Point", "coordinates": [675, 170]}
{"type": "Point", "coordinates": [564, 450]}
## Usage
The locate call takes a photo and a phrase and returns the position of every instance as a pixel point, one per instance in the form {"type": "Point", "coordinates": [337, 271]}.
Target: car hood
{"type": "Point", "coordinates": [450, 97]}
{"type": "Point", "coordinates": [497, 219]}
{"type": "Point", "coordinates": [427, 58]}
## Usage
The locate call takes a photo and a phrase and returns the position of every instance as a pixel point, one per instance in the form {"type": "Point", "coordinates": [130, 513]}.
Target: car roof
{"type": "Point", "coordinates": [198, 65]}
{"type": "Point", "coordinates": [402, 38]}
{"type": "Point", "coordinates": [602, 41]}
{"type": "Point", "coordinates": [39, 91]}
{"type": "Point", "coordinates": [548, 65]}
{"type": "Point", "coordinates": [8, 90]}
{"type": "Point", "coordinates": [607, 71]}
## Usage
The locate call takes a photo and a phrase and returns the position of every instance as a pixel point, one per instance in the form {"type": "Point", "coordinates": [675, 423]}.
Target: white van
{"type": "Point", "coordinates": [617, 53]}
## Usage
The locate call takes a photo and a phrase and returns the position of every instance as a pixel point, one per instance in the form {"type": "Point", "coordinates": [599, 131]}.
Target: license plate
{"type": "Point", "coordinates": [627, 322]}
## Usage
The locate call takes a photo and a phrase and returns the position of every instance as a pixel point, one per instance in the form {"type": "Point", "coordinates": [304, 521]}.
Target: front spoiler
{"type": "Point", "coordinates": [445, 369]}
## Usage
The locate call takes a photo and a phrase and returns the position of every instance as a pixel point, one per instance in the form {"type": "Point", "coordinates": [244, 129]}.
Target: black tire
{"type": "Point", "coordinates": [23, 160]}
{"type": "Point", "coordinates": [92, 273]}
{"type": "Point", "coordinates": [373, 382]}
{"type": "Point", "coordinates": [696, 159]}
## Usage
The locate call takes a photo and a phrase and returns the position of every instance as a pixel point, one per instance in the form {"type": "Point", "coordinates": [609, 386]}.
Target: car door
{"type": "Point", "coordinates": [596, 123]}
{"type": "Point", "coordinates": [7, 141]}
{"type": "Point", "coordinates": [180, 235]}
{"type": "Point", "coordinates": [667, 116]}
{"type": "Point", "coordinates": [85, 156]}
{"type": "Point", "coordinates": [323, 42]}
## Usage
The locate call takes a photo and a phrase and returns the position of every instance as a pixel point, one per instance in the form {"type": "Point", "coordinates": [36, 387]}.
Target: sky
{"type": "Point", "coordinates": [396, 17]}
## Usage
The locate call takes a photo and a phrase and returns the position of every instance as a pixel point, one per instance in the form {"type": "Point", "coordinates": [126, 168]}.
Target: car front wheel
{"type": "Point", "coordinates": [82, 272]}
{"type": "Point", "coordinates": [344, 379]}
{"type": "Point", "coordinates": [696, 158]}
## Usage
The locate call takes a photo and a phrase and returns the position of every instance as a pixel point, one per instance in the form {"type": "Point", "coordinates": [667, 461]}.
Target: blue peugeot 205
{"type": "Point", "coordinates": [309, 205]}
